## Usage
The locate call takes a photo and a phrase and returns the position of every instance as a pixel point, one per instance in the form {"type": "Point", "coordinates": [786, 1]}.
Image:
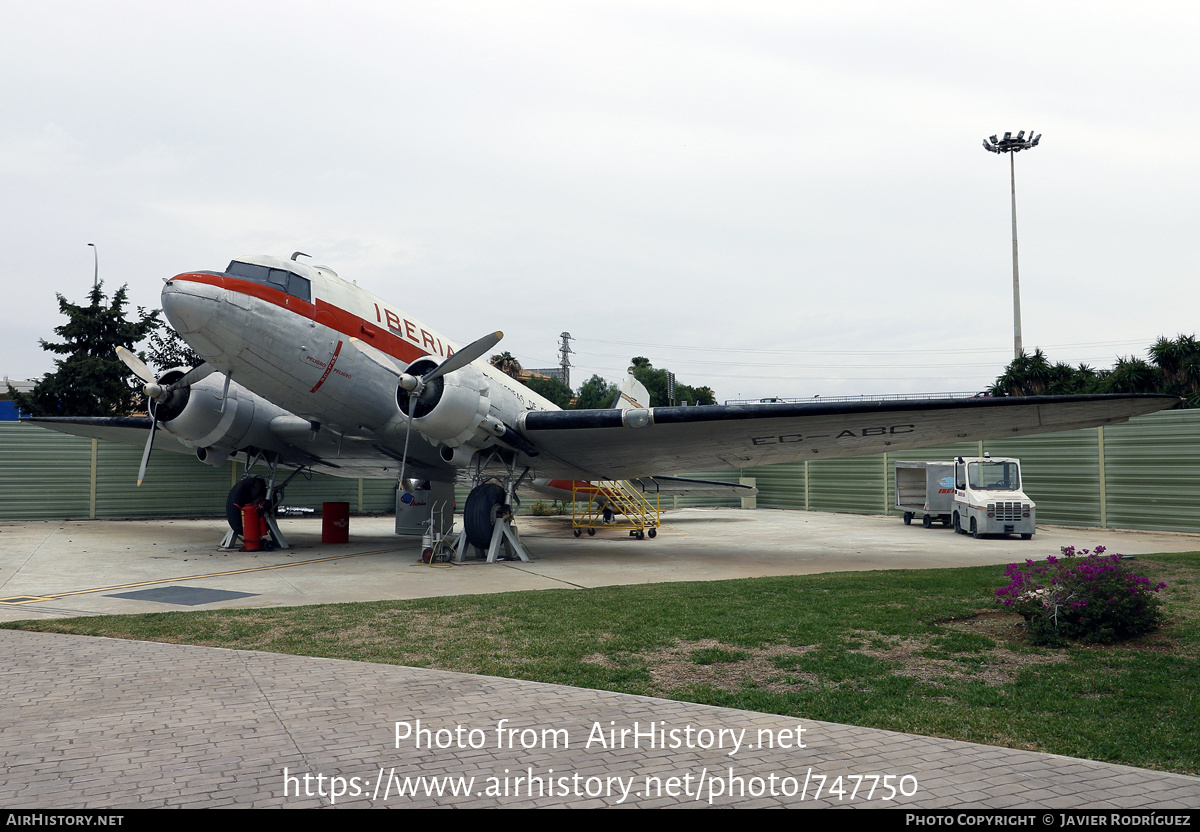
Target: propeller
{"type": "Point", "coordinates": [416, 386]}
{"type": "Point", "coordinates": [156, 393]}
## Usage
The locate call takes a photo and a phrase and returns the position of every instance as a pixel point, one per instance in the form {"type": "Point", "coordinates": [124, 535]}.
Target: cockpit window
{"type": "Point", "coordinates": [281, 279]}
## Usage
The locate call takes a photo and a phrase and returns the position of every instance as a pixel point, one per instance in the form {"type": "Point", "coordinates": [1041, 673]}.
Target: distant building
{"type": "Point", "coordinates": [550, 372]}
{"type": "Point", "coordinates": [8, 410]}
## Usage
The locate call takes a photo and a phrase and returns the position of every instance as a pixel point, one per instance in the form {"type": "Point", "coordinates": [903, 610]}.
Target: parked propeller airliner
{"type": "Point", "coordinates": [305, 370]}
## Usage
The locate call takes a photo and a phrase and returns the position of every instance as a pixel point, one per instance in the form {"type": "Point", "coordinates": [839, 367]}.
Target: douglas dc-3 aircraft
{"type": "Point", "coordinates": [305, 370]}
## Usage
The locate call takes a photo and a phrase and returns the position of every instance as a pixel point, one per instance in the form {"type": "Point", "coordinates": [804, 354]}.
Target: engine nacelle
{"type": "Point", "coordinates": [464, 407]}
{"type": "Point", "coordinates": [451, 407]}
{"type": "Point", "coordinates": [195, 415]}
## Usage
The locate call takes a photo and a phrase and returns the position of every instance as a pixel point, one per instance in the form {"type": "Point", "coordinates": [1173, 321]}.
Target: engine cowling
{"type": "Point", "coordinates": [451, 407]}
{"type": "Point", "coordinates": [464, 407]}
{"type": "Point", "coordinates": [194, 413]}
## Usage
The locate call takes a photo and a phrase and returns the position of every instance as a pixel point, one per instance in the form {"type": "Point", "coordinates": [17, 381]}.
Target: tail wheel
{"type": "Point", "coordinates": [247, 491]}
{"type": "Point", "coordinates": [484, 504]}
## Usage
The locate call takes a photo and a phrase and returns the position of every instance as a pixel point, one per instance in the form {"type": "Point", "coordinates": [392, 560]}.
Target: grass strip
{"type": "Point", "coordinates": [921, 651]}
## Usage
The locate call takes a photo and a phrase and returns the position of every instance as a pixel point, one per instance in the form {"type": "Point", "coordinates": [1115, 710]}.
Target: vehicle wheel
{"type": "Point", "coordinates": [974, 529]}
{"type": "Point", "coordinates": [591, 532]}
{"type": "Point", "coordinates": [640, 534]}
{"type": "Point", "coordinates": [957, 523]}
{"type": "Point", "coordinates": [1027, 536]}
{"type": "Point", "coordinates": [578, 532]}
{"type": "Point", "coordinates": [484, 504]}
{"type": "Point", "coordinates": [946, 521]}
{"type": "Point", "coordinates": [908, 515]}
{"type": "Point", "coordinates": [653, 533]}
{"type": "Point", "coordinates": [927, 521]}
{"type": "Point", "coordinates": [607, 514]}
{"type": "Point", "coordinates": [245, 492]}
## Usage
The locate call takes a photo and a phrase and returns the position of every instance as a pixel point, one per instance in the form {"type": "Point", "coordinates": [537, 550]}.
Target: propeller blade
{"type": "Point", "coordinates": [378, 356]}
{"type": "Point", "coordinates": [464, 356]}
{"type": "Point", "coordinates": [146, 453]}
{"type": "Point", "coordinates": [193, 375]}
{"type": "Point", "coordinates": [412, 408]}
{"type": "Point", "coordinates": [136, 364]}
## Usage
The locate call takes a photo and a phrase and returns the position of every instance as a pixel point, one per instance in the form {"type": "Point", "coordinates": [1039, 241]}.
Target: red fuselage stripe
{"type": "Point", "coordinates": [334, 317]}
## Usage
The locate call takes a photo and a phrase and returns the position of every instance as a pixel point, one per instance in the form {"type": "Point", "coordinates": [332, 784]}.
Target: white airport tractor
{"type": "Point", "coordinates": [977, 495]}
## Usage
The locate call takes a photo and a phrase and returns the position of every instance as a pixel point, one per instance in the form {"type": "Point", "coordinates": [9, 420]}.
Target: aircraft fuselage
{"type": "Point", "coordinates": [284, 329]}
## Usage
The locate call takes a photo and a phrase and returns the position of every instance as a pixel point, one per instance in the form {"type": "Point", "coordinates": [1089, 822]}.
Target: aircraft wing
{"type": "Point", "coordinates": [623, 445]}
{"type": "Point", "coordinates": [128, 430]}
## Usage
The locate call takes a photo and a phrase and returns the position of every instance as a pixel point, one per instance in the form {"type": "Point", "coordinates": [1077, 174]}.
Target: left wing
{"type": "Point", "coordinates": [623, 445]}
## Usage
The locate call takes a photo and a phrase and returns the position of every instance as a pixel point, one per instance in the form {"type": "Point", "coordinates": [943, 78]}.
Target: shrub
{"type": "Point", "coordinates": [1085, 595]}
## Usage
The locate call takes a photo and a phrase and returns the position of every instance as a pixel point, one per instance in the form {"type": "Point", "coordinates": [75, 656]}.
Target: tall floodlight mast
{"type": "Point", "coordinates": [1012, 145]}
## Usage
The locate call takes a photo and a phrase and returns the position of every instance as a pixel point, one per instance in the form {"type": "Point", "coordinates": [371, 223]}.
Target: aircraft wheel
{"type": "Point", "coordinates": [484, 504]}
{"type": "Point", "coordinates": [927, 521]}
{"type": "Point", "coordinates": [246, 491]}
{"type": "Point", "coordinates": [653, 533]}
{"type": "Point", "coordinates": [578, 532]}
{"type": "Point", "coordinates": [908, 516]}
{"type": "Point", "coordinates": [591, 532]}
{"type": "Point", "coordinates": [974, 529]}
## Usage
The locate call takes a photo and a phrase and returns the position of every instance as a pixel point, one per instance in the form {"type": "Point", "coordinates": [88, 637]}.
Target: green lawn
{"type": "Point", "coordinates": [922, 651]}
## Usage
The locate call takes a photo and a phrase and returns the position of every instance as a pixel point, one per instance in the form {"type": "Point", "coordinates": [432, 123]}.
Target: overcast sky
{"type": "Point", "coordinates": [775, 199]}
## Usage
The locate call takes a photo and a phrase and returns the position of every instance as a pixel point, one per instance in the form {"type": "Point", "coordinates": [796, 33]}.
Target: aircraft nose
{"type": "Point", "coordinates": [189, 304]}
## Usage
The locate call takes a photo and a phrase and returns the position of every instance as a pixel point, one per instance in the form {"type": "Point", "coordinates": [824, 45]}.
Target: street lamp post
{"type": "Point", "coordinates": [1012, 145]}
{"type": "Point", "coordinates": [96, 261]}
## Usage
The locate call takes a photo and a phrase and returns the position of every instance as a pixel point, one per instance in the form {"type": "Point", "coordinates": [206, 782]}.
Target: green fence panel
{"type": "Point", "coordinates": [43, 475]}
{"type": "Point", "coordinates": [1152, 471]}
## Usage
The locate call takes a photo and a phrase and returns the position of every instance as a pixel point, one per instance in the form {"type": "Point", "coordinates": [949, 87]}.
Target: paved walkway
{"type": "Point", "coordinates": [102, 723]}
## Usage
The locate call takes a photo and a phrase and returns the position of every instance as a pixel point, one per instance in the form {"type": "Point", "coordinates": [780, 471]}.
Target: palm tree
{"type": "Point", "coordinates": [505, 363]}
{"type": "Point", "coordinates": [1179, 361]}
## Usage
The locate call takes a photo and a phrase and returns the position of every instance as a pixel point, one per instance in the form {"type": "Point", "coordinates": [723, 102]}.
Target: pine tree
{"type": "Point", "coordinates": [90, 379]}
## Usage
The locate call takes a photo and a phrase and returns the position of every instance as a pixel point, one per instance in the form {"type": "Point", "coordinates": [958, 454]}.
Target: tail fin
{"type": "Point", "coordinates": [633, 394]}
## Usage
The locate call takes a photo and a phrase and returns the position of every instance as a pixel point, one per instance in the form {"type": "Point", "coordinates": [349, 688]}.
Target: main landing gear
{"type": "Point", "coordinates": [260, 492]}
{"type": "Point", "coordinates": [488, 513]}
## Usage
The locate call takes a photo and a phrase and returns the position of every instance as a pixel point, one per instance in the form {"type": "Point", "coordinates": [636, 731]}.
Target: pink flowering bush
{"type": "Point", "coordinates": [1084, 596]}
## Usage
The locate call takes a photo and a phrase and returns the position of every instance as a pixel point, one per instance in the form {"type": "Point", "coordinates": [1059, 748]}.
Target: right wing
{"type": "Point", "coordinates": [624, 445]}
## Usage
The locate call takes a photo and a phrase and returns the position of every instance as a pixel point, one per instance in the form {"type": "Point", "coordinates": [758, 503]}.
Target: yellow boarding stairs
{"type": "Point", "coordinates": [613, 504]}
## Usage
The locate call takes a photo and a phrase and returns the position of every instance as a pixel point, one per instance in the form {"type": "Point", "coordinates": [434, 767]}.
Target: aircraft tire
{"type": "Point", "coordinates": [246, 491]}
{"type": "Point", "coordinates": [479, 514]}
